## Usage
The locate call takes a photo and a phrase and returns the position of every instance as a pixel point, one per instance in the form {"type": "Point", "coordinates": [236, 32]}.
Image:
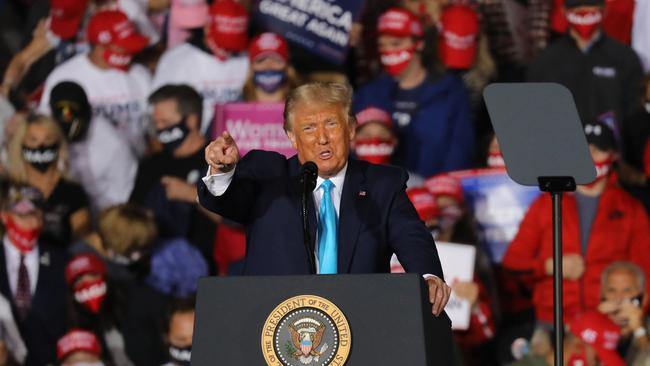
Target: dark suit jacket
{"type": "Point", "coordinates": [376, 218]}
{"type": "Point", "coordinates": [46, 321]}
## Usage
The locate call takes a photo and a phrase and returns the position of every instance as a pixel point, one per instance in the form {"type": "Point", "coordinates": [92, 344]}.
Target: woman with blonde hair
{"type": "Point", "coordinates": [38, 156]}
{"type": "Point", "coordinates": [270, 76]}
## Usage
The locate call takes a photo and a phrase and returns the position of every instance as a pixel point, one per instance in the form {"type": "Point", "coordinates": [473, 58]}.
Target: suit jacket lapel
{"type": "Point", "coordinates": [352, 209]}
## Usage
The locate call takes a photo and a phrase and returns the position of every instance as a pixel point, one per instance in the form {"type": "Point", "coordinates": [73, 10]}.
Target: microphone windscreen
{"type": "Point", "coordinates": [308, 174]}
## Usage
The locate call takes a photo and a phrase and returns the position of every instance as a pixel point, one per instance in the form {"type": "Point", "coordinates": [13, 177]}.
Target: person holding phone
{"type": "Point", "coordinates": [625, 301]}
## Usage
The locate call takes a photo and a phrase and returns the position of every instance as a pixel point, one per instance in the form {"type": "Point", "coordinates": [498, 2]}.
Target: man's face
{"type": "Point", "coordinates": [321, 134]}
{"type": "Point", "coordinates": [181, 329]}
{"type": "Point", "coordinates": [30, 221]}
{"type": "Point", "coordinates": [621, 285]}
{"type": "Point", "coordinates": [165, 114]}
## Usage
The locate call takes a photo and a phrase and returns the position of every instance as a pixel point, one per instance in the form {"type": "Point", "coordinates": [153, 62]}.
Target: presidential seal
{"type": "Point", "coordinates": [306, 330]}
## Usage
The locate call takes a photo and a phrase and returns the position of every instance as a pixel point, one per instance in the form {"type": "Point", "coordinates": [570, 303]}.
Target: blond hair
{"type": "Point", "coordinates": [126, 227]}
{"type": "Point", "coordinates": [16, 165]}
{"type": "Point", "coordinates": [319, 93]}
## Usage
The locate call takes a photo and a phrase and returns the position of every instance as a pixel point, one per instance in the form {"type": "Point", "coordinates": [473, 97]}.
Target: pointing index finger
{"type": "Point", "coordinates": [227, 138]}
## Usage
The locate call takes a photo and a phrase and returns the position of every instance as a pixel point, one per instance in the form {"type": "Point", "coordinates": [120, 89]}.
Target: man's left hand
{"type": "Point", "coordinates": [439, 294]}
{"type": "Point", "coordinates": [178, 190]}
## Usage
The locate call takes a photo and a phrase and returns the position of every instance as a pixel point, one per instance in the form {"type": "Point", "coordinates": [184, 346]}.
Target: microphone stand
{"type": "Point", "coordinates": [308, 182]}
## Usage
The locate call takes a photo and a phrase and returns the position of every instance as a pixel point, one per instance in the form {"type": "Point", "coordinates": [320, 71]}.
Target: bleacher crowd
{"type": "Point", "coordinates": [106, 107]}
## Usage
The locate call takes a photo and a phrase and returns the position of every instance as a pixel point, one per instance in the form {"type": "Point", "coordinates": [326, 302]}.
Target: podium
{"type": "Point", "coordinates": [374, 319]}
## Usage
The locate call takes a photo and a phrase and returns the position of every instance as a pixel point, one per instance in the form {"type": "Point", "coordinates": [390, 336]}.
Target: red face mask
{"type": "Point", "coordinates": [374, 150]}
{"type": "Point", "coordinates": [23, 239]}
{"type": "Point", "coordinates": [116, 60]}
{"type": "Point", "coordinates": [395, 62]}
{"type": "Point", "coordinates": [602, 171]}
{"type": "Point", "coordinates": [91, 294]}
{"type": "Point", "coordinates": [495, 160]}
{"type": "Point", "coordinates": [585, 22]}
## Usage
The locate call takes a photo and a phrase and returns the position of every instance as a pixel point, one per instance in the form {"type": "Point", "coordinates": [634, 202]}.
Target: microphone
{"type": "Point", "coordinates": [308, 174]}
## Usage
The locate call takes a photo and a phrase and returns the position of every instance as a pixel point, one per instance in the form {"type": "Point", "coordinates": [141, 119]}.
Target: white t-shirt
{"type": "Point", "coordinates": [217, 81]}
{"type": "Point", "coordinates": [641, 32]}
{"type": "Point", "coordinates": [104, 165]}
{"type": "Point", "coordinates": [119, 97]}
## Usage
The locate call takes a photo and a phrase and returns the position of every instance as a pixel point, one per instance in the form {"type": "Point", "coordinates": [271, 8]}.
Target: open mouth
{"type": "Point", "coordinates": [324, 155]}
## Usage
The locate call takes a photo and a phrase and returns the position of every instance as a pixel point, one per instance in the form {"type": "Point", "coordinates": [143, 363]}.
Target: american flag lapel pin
{"type": "Point", "coordinates": [362, 193]}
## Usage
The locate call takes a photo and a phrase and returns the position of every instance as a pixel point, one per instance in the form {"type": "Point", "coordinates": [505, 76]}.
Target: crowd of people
{"type": "Point", "coordinates": [107, 106]}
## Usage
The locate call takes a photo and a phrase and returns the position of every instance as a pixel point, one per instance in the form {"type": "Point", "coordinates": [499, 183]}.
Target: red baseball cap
{"type": "Point", "coordinates": [188, 14]}
{"type": "Point", "coordinates": [445, 185]}
{"type": "Point", "coordinates": [82, 264]}
{"type": "Point", "coordinates": [601, 333]}
{"type": "Point", "coordinates": [399, 22]}
{"type": "Point", "coordinates": [457, 40]}
{"type": "Point", "coordinates": [77, 340]}
{"type": "Point", "coordinates": [268, 44]}
{"type": "Point", "coordinates": [66, 17]}
{"type": "Point", "coordinates": [114, 27]}
{"type": "Point", "coordinates": [229, 25]}
{"type": "Point", "coordinates": [374, 114]}
{"type": "Point", "coordinates": [424, 203]}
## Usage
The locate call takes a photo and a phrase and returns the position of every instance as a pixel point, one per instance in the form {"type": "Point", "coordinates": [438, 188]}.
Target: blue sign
{"type": "Point", "coordinates": [499, 204]}
{"type": "Point", "coordinates": [321, 26]}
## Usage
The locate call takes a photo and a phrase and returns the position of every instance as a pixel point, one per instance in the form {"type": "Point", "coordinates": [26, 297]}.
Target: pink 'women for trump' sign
{"type": "Point", "coordinates": [254, 126]}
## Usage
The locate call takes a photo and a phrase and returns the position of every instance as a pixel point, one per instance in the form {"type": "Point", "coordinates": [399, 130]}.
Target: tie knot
{"type": "Point", "coordinates": [327, 185]}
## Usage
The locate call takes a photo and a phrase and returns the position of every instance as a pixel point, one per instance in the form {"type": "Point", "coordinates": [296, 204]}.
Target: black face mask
{"type": "Point", "coordinates": [180, 356]}
{"type": "Point", "coordinates": [41, 157]}
{"type": "Point", "coordinates": [172, 137]}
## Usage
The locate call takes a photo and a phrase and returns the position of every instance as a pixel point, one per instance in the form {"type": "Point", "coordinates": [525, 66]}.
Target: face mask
{"type": "Point", "coordinates": [172, 137]}
{"type": "Point", "coordinates": [495, 160]}
{"type": "Point", "coordinates": [374, 150]}
{"type": "Point", "coordinates": [585, 22]}
{"type": "Point", "coordinates": [23, 239]}
{"type": "Point", "coordinates": [41, 157]}
{"type": "Point", "coordinates": [91, 294]}
{"type": "Point", "coordinates": [119, 61]}
{"type": "Point", "coordinates": [270, 80]}
{"type": "Point", "coordinates": [602, 170]}
{"type": "Point", "coordinates": [96, 363]}
{"type": "Point", "coordinates": [395, 62]}
{"type": "Point", "coordinates": [180, 356]}
{"type": "Point", "coordinates": [449, 216]}
{"type": "Point", "coordinates": [218, 52]}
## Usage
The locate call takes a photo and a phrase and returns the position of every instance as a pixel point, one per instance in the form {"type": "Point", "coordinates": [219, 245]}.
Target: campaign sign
{"type": "Point", "coordinates": [499, 204]}
{"type": "Point", "coordinates": [457, 262]}
{"type": "Point", "coordinates": [254, 126]}
{"type": "Point", "coordinates": [320, 26]}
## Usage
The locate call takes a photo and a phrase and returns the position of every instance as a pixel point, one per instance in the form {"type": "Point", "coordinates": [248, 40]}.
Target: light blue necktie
{"type": "Point", "coordinates": [327, 246]}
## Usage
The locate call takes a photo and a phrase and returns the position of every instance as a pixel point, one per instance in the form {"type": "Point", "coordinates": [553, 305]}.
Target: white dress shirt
{"type": "Point", "coordinates": [12, 260]}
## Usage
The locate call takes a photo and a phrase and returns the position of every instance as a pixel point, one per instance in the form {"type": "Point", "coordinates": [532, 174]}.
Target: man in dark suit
{"type": "Point", "coordinates": [361, 210]}
{"type": "Point", "coordinates": [31, 274]}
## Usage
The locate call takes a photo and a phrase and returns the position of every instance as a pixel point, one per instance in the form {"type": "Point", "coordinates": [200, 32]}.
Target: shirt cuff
{"type": "Point", "coordinates": [218, 183]}
{"type": "Point", "coordinates": [426, 276]}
